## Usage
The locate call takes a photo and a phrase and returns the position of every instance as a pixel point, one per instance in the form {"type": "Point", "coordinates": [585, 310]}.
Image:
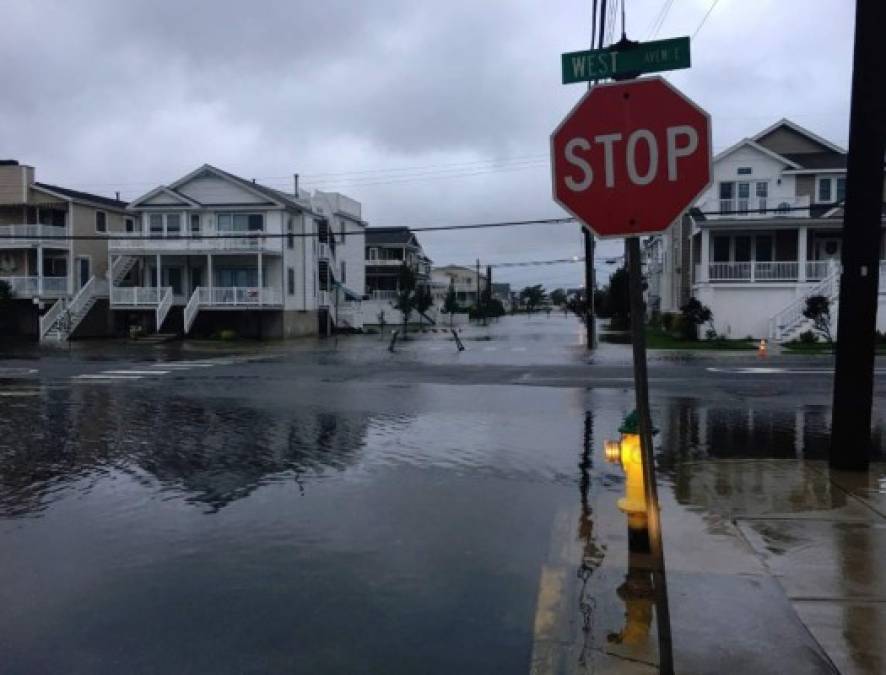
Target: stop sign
{"type": "Point", "coordinates": [630, 157]}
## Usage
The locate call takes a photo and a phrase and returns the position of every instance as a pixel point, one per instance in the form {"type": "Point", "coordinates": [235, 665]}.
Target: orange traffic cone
{"type": "Point", "coordinates": [761, 350]}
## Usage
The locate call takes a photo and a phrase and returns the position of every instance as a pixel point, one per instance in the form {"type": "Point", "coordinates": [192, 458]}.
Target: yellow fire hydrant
{"type": "Point", "coordinates": [626, 451]}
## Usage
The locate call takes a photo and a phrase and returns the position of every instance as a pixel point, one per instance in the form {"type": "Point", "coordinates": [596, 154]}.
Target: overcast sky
{"type": "Point", "coordinates": [427, 112]}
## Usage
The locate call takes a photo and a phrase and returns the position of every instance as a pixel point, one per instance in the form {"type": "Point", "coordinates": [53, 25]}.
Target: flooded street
{"type": "Point", "coordinates": [345, 510]}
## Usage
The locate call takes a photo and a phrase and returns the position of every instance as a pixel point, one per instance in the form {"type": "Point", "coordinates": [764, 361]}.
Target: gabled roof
{"type": "Point", "coordinates": [81, 196]}
{"type": "Point", "coordinates": [819, 160]}
{"type": "Point", "coordinates": [275, 196]}
{"type": "Point", "coordinates": [403, 236]}
{"type": "Point", "coordinates": [751, 143]}
{"type": "Point", "coordinates": [167, 191]}
{"type": "Point", "coordinates": [793, 126]}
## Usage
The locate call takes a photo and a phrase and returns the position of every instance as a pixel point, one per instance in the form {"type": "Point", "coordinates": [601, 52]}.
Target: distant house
{"type": "Point", "coordinates": [766, 235]}
{"type": "Point", "coordinates": [387, 248]}
{"type": "Point", "coordinates": [464, 280]}
{"type": "Point", "coordinates": [502, 293]}
{"type": "Point", "coordinates": [59, 284]}
{"type": "Point", "coordinates": [214, 251]}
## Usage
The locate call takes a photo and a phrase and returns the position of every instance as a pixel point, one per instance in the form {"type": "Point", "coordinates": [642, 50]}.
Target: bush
{"type": "Point", "coordinates": [694, 314]}
{"type": "Point", "coordinates": [808, 337]}
{"type": "Point", "coordinates": [667, 321]}
{"type": "Point", "coordinates": [227, 334]}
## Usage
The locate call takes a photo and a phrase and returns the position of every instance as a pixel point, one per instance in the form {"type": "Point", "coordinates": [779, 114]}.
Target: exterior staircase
{"type": "Point", "coordinates": [788, 323]}
{"type": "Point", "coordinates": [121, 266]}
{"type": "Point", "coordinates": [62, 319]}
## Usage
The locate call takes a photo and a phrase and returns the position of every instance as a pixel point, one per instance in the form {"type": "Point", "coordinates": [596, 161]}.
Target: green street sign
{"type": "Point", "coordinates": [615, 61]}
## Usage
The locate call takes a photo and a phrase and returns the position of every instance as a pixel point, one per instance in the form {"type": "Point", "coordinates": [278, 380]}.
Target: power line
{"type": "Point", "coordinates": [658, 22]}
{"type": "Point", "coordinates": [705, 18]}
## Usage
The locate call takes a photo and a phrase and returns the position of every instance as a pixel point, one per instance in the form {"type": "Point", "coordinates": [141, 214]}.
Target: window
{"type": "Point", "coordinates": [344, 272]}
{"type": "Point", "coordinates": [290, 281]}
{"type": "Point", "coordinates": [727, 193]}
{"type": "Point", "coordinates": [762, 193]}
{"type": "Point", "coordinates": [721, 248]}
{"type": "Point", "coordinates": [195, 224]}
{"type": "Point", "coordinates": [824, 189]}
{"type": "Point", "coordinates": [290, 238]}
{"type": "Point", "coordinates": [744, 194]}
{"type": "Point", "coordinates": [130, 225]}
{"type": "Point", "coordinates": [841, 189]}
{"type": "Point", "coordinates": [173, 225]}
{"type": "Point", "coordinates": [101, 221]}
{"type": "Point", "coordinates": [373, 254]}
{"type": "Point", "coordinates": [155, 221]}
{"type": "Point", "coordinates": [240, 222]}
{"type": "Point", "coordinates": [744, 171]}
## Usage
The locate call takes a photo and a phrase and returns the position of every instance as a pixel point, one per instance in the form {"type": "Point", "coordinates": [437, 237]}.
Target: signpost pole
{"type": "Point", "coordinates": [641, 387]}
{"type": "Point", "coordinates": [589, 289]}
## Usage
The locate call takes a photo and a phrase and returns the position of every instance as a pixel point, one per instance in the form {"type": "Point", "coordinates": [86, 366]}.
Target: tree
{"type": "Point", "coordinates": [616, 300]}
{"type": "Point", "coordinates": [532, 296]}
{"type": "Point", "coordinates": [423, 302]}
{"type": "Point", "coordinates": [558, 296]}
{"type": "Point", "coordinates": [405, 293]}
{"type": "Point", "coordinates": [818, 309]}
{"type": "Point", "coordinates": [694, 315]}
{"type": "Point", "coordinates": [450, 303]}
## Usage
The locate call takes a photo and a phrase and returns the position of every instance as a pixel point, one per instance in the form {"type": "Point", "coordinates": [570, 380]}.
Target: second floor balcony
{"type": "Point", "coordinates": [756, 208]}
{"type": "Point", "coordinates": [217, 241]}
{"type": "Point", "coordinates": [30, 235]}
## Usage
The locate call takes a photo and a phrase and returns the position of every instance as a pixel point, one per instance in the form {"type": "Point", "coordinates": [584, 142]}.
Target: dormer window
{"type": "Point", "coordinates": [744, 171]}
{"type": "Point", "coordinates": [831, 189]}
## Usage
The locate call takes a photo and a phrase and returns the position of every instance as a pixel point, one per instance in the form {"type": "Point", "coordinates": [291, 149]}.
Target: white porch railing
{"type": "Point", "coordinates": [49, 318]}
{"type": "Point", "coordinates": [137, 296]}
{"type": "Point", "coordinates": [325, 251]}
{"type": "Point", "coordinates": [384, 295]}
{"type": "Point", "coordinates": [776, 271]}
{"type": "Point", "coordinates": [28, 287]}
{"type": "Point", "coordinates": [191, 310]}
{"type": "Point", "coordinates": [128, 242]}
{"type": "Point", "coordinates": [729, 271]}
{"type": "Point", "coordinates": [816, 270]}
{"type": "Point", "coordinates": [163, 307]}
{"type": "Point", "coordinates": [239, 296]}
{"type": "Point", "coordinates": [15, 236]}
{"type": "Point", "coordinates": [324, 299]}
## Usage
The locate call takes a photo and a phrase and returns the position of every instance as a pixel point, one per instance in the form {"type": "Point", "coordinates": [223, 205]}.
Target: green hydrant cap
{"type": "Point", "coordinates": [631, 424]}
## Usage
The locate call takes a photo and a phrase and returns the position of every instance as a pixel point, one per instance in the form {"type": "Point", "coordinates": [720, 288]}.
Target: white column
{"type": "Point", "coordinates": [260, 278]}
{"type": "Point", "coordinates": [69, 230]}
{"type": "Point", "coordinates": [802, 237]}
{"type": "Point", "coordinates": [39, 270]}
{"type": "Point", "coordinates": [705, 254]}
{"type": "Point", "coordinates": [209, 274]}
{"type": "Point", "coordinates": [159, 277]}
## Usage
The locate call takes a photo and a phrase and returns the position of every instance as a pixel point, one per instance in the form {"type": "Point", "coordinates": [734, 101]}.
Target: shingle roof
{"type": "Point", "coordinates": [389, 235]}
{"type": "Point", "coordinates": [818, 160]}
{"type": "Point", "coordinates": [83, 196]}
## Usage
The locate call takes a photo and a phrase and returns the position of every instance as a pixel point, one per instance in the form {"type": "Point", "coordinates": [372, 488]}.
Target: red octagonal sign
{"type": "Point", "coordinates": [630, 157]}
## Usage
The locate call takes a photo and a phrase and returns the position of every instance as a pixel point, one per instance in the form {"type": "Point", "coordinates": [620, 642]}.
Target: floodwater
{"type": "Point", "coordinates": [320, 527]}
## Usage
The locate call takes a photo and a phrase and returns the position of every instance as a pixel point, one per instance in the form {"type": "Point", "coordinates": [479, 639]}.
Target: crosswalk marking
{"type": "Point", "coordinates": [135, 372]}
{"type": "Point", "coordinates": [91, 376]}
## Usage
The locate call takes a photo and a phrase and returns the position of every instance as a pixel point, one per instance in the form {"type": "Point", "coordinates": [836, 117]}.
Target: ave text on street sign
{"type": "Point", "coordinates": [630, 157]}
{"type": "Point", "coordinates": [615, 61]}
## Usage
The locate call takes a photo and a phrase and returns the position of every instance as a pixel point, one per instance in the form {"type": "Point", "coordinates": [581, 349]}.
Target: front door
{"type": "Point", "coordinates": [827, 248]}
{"type": "Point", "coordinates": [83, 270]}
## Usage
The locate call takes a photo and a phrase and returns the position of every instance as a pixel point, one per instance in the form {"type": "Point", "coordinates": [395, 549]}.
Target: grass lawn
{"type": "Point", "coordinates": [657, 339]}
{"type": "Point", "coordinates": [797, 347]}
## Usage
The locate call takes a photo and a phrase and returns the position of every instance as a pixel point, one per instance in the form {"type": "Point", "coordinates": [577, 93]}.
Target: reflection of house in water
{"type": "Point", "coordinates": [213, 451]}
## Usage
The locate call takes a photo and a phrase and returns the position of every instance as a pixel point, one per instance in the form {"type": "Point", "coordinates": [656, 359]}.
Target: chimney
{"type": "Point", "coordinates": [117, 196]}
{"type": "Point", "coordinates": [253, 181]}
{"type": "Point", "coordinates": [295, 184]}
{"type": "Point", "coordinates": [15, 180]}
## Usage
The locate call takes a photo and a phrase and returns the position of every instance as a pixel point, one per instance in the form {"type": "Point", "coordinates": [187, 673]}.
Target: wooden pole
{"type": "Point", "coordinates": [641, 387]}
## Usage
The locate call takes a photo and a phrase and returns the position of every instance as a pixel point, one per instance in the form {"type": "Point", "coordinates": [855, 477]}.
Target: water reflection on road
{"type": "Point", "coordinates": [329, 528]}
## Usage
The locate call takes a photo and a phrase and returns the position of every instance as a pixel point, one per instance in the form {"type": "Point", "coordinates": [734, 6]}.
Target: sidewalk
{"type": "Point", "coordinates": [773, 566]}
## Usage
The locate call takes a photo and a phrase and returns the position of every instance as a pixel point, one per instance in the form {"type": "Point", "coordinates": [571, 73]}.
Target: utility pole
{"type": "Point", "coordinates": [479, 303]}
{"type": "Point", "coordinates": [488, 288]}
{"type": "Point", "coordinates": [856, 341]}
{"type": "Point", "coordinates": [589, 289]}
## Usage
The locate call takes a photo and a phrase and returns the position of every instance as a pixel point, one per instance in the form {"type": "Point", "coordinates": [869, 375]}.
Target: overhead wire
{"type": "Point", "coordinates": [705, 18]}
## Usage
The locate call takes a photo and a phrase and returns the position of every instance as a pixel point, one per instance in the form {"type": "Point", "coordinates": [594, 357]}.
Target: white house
{"type": "Point", "coordinates": [467, 283]}
{"type": "Point", "coordinates": [214, 251]}
{"type": "Point", "coordinates": [765, 236]}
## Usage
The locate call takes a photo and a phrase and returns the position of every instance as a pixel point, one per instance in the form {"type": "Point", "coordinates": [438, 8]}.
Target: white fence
{"type": "Point", "coordinates": [26, 287]}
{"type": "Point", "coordinates": [137, 296]}
{"type": "Point", "coordinates": [237, 296]}
{"type": "Point", "coordinates": [128, 242]}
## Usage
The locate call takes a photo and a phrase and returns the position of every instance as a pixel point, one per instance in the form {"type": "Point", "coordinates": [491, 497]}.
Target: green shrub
{"type": "Point", "coordinates": [808, 337]}
{"type": "Point", "coordinates": [227, 334]}
{"type": "Point", "coordinates": [667, 321]}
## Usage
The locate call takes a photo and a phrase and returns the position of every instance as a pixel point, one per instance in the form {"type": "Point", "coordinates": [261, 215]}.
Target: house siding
{"type": "Point", "coordinates": [784, 140]}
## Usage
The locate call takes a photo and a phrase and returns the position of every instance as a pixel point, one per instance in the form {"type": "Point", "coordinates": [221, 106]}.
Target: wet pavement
{"type": "Point", "coordinates": [329, 506]}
